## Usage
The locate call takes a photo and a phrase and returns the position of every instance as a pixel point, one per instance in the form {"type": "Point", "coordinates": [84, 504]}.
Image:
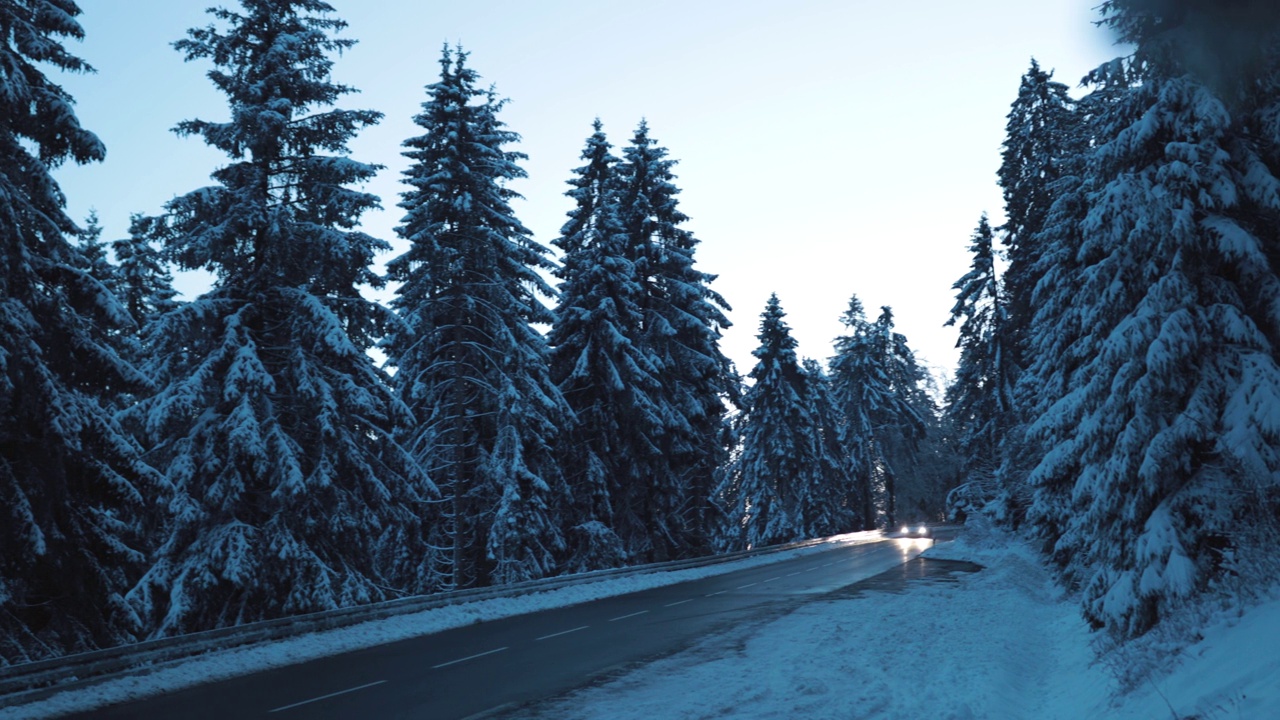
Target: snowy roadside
{"type": "Point", "coordinates": [1000, 643]}
{"type": "Point", "coordinates": [221, 665]}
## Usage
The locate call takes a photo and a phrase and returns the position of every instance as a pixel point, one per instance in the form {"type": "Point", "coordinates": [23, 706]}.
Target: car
{"type": "Point", "coordinates": [912, 531]}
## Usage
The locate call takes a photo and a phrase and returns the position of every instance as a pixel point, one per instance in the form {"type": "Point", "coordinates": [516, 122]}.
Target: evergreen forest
{"type": "Point", "coordinates": [174, 464]}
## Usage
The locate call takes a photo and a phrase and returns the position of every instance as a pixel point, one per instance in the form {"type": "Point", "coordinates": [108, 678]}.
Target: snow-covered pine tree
{"type": "Point", "coordinates": [1167, 434]}
{"type": "Point", "coordinates": [877, 388]}
{"type": "Point", "coordinates": [903, 422]}
{"type": "Point", "coordinates": [773, 479]}
{"type": "Point", "coordinates": [73, 492]}
{"type": "Point", "coordinates": [94, 250]}
{"type": "Point", "coordinates": [832, 503]}
{"type": "Point", "coordinates": [275, 426]}
{"type": "Point", "coordinates": [682, 323]}
{"type": "Point", "coordinates": [980, 400]}
{"type": "Point", "coordinates": [1051, 354]}
{"type": "Point", "coordinates": [1041, 136]}
{"type": "Point", "coordinates": [859, 386]}
{"type": "Point", "coordinates": [144, 284]}
{"type": "Point", "coordinates": [611, 447]}
{"type": "Point", "coordinates": [469, 360]}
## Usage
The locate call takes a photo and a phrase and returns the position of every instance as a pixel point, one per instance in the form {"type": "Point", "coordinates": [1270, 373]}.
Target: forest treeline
{"type": "Point", "coordinates": [169, 466]}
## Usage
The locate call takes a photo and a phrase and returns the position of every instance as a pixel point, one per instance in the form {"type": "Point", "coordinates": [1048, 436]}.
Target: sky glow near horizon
{"type": "Point", "coordinates": [825, 148]}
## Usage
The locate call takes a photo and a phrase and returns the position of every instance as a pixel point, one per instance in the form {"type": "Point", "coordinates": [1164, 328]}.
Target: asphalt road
{"type": "Point", "coordinates": [473, 670]}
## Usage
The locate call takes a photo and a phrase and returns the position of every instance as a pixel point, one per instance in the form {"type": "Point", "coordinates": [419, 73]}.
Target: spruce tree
{"type": "Point", "coordinates": [681, 328]}
{"type": "Point", "coordinates": [469, 360]}
{"type": "Point", "coordinates": [144, 283]}
{"type": "Point", "coordinates": [1041, 139]}
{"type": "Point", "coordinates": [1051, 354]}
{"type": "Point", "coordinates": [275, 426]}
{"type": "Point", "coordinates": [97, 261]}
{"type": "Point", "coordinates": [980, 400]}
{"type": "Point", "coordinates": [773, 480]}
{"type": "Point", "coordinates": [877, 387]}
{"type": "Point", "coordinates": [611, 447]}
{"type": "Point", "coordinates": [1165, 436]}
{"type": "Point", "coordinates": [832, 505]}
{"type": "Point", "coordinates": [74, 494]}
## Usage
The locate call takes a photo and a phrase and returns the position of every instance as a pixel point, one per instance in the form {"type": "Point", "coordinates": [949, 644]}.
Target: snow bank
{"type": "Point", "coordinates": [248, 660]}
{"type": "Point", "coordinates": [1000, 643]}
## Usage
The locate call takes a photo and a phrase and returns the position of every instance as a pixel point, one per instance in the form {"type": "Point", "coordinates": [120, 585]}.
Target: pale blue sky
{"type": "Point", "coordinates": [825, 147]}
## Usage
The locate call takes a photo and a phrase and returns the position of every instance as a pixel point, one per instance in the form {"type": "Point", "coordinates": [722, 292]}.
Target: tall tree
{"type": "Point", "coordinates": [469, 360]}
{"type": "Point", "coordinates": [771, 484]}
{"type": "Point", "coordinates": [681, 328]}
{"type": "Point", "coordinates": [144, 283]}
{"type": "Point", "coordinates": [834, 500]}
{"type": "Point", "coordinates": [73, 491]}
{"type": "Point", "coordinates": [1051, 352]}
{"type": "Point", "coordinates": [980, 400]}
{"type": "Point", "coordinates": [1041, 137]}
{"type": "Point", "coordinates": [1166, 435]}
{"type": "Point", "coordinates": [275, 426]}
{"type": "Point", "coordinates": [877, 386]}
{"type": "Point", "coordinates": [97, 261]}
{"type": "Point", "coordinates": [611, 448]}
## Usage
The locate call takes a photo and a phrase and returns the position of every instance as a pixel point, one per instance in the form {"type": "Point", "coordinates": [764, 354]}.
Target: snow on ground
{"type": "Point", "coordinates": [244, 661]}
{"type": "Point", "coordinates": [1003, 642]}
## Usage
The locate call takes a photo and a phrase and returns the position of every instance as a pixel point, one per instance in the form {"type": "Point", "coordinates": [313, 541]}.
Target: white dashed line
{"type": "Point", "coordinates": [772, 579]}
{"type": "Point", "coordinates": [717, 593]}
{"type": "Point", "coordinates": [562, 632]}
{"type": "Point", "coordinates": [624, 617]}
{"type": "Point", "coordinates": [744, 587]}
{"type": "Point", "coordinates": [678, 603]}
{"type": "Point", "coordinates": [469, 657]}
{"type": "Point", "coordinates": [794, 573]}
{"type": "Point", "coordinates": [326, 697]}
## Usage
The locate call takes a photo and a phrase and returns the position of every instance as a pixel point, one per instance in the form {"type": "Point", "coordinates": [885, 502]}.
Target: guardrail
{"type": "Point", "coordinates": [28, 682]}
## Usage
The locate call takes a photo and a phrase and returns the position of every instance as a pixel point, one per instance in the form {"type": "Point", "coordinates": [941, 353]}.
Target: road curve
{"type": "Point", "coordinates": [473, 670]}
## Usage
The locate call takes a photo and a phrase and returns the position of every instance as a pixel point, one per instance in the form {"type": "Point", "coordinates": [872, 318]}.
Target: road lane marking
{"type": "Point", "coordinates": [562, 632]}
{"type": "Point", "coordinates": [678, 603]}
{"type": "Point", "coordinates": [624, 617]}
{"type": "Point", "coordinates": [744, 587]}
{"type": "Point", "coordinates": [811, 569]}
{"type": "Point", "coordinates": [326, 697]}
{"type": "Point", "coordinates": [717, 593]}
{"type": "Point", "coordinates": [469, 657]}
{"type": "Point", "coordinates": [772, 579]}
{"type": "Point", "coordinates": [794, 573]}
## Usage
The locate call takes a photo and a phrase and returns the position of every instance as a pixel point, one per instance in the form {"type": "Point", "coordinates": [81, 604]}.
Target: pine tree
{"type": "Point", "coordinates": [681, 328]}
{"type": "Point", "coordinates": [73, 491]}
{"type": "Point", "coordinates": [772, 483]}
{"type": "Point", "coordinates": [275, 426]}
{"type": "Point", "coordinates": [832, 507]}
{"type": "Point", "coordinates": [1041, 139]}
{"type": "Point", "coordinates": [468, 358]}
{"type": "Point", "coordinates": [877, 387]}
{"type": "Point", "coordinates": [1166, 435]}
{"type": "Point", "coordinates": [1051, 352]}
{"type": "Point", "coordinates": [980, 401]}
{"type": "Point", "coordinates": [144, 283]}
{"type": "Point", "coordinates": [97, 261]}
{"type": "Point", "coordinates": [611, 448]}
